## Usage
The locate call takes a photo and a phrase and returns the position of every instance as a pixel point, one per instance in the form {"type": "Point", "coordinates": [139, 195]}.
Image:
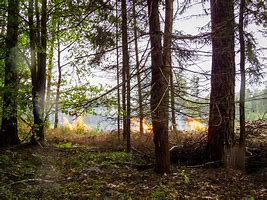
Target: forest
{"type": "Point", "coordinates": [133, 99]}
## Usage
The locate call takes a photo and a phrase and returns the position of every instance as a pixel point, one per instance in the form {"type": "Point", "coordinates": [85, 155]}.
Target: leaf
{"type": "Point", "coordinates": [4, 159]}
{"type": "Point", "coordinates": [67, 145]}
{"type": "Point", "coordinates": [186, 178]}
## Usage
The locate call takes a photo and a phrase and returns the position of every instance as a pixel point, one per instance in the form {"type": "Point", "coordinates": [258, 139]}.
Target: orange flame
{"type": "Point", "coordinates": [78, 124]}
{"type": "Point", "coordinates": [195, 125]}
{"type": "Point", "coordinates": [66, 123]}
{"type": "Point", "coordinates": [135, 122]}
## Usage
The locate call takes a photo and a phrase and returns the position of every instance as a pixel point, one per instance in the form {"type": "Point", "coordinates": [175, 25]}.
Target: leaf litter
{"type": "Point", "coordinates": [95, 172]}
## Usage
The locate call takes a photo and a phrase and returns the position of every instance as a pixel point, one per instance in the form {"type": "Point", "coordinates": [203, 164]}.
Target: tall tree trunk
{"type": "Point", "coordinates": [159, 92]}
{"type": "Point", "coordinates": [49, 77]}
{"type": "Point", "coordinates": [118, 73]}
{"type": "Point", "coordinates": [9, 127]}
{"type": "Point", "coordinates": [222, 105]}
{"type": "Point", "coordinates": [41, 73]}
{"type": "Point", "coordinates": [33, 38]}
{"type": "Point", "coordinates": [140, 97]}
{"type": "Point", "coordinates": [58, 81]}
{"type": "Point", "coordinates": [123, 92]}
{"type": "Point", "coordinates": [242, 74]}
{"type": "Point", "coordinates": [167, 42]}
{"type": "Point", "coordinates": [38, 38]}
{"type": "Point", "coordinates": [173, 113]}
{"type": "Point", "coordinates": [50, 66]}
{"type": "Point", "coordinates": [126, 67]}
{"type": "Point", "coordinates": [123, 95]}
{"type": "Point", "coordinates": [38, 27]}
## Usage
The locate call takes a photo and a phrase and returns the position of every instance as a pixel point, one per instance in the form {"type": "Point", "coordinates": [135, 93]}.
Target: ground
{"type": "Point", "coordinates": [63, 170]}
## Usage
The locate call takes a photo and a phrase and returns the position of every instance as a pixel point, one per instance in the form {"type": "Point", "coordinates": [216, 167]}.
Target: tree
{"type": "Point", "coordinates": [222, 96]}
{"type": "Point", "coordinates": [138, 76]}
{"type": "Point", "coordinates": [9, 127]}
{"type": "Point", "coordinates": [242, 115]}
{"type": "Point", "coordinates": [118, 72]}
{"type": "Point", "coordinates": [159, 91]}
{"type": "Point", "coordinates": [58, 81]}
{"type": "Point", "coordinates": [173, 111]}
{"type": "Point", "coordinates": [167, 61]}
{"type": "Point", "coordinates": [50, 64]}
{"type": "Point", "coordinates": [126, 79]}
{"type": "Point", "coordinates": [38, 44]}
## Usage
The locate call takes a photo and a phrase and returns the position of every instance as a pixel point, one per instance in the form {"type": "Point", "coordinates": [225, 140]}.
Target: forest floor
{"type": "Point", "coordinates": [75, 167]}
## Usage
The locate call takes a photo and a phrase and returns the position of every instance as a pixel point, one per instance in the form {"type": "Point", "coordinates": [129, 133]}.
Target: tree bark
{"type": "Point", "coordinates": [33, 38]}
{"type": "Point", "coordinates": [123, 92]}
{"type": "Point", "coordinates": [58, 81]}
{"type": "Point", "coordinates": [222, 105]}
{"type": "Point", "coordinates": [39, 76]}
{"type": "Point", "coordinates": [38, 43]}
{"type": "Point", "coordinates": [242, 74]}
{"type": "Point", "coordinates": [159, 92]}
{"type": "Point", "coordinates": [126, 67]}
{"type": "Point", "coordinates": [173, 112]}
{"type": "Point", "coordinates": [167, 61]}
{"type": "Point", "coordinates": [139, 86]}
{"type": "Point", "coordinates": [50, 67]}
{"type": "Point", "coordinates": [118, 73]}
{"type": "Point", "coordinates": [9, 127]}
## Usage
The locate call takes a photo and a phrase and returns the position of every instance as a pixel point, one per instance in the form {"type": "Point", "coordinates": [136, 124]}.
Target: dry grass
{"type": "Point", "coordinates": [142, 143]}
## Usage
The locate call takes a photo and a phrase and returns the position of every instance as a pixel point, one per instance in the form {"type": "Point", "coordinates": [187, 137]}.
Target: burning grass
{"type": "Point", "coordinates": [103, 140]}
{"type": "Point", "coordinates": [80, 133]}
{"type": "Point", "coordinates": [135, 125]}
{"type": "Point", "coordinates": [196, 125]}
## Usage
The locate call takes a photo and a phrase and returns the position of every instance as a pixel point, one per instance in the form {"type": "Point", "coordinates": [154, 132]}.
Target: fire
{"type": "Point", "coordinates": [66, 123]}
{"type": "Point", "coordinates": [195, 125]}
{"type": "Point", "coordinates": [135, 125]}
{"type": "Point", "coordinates": [77, 125]}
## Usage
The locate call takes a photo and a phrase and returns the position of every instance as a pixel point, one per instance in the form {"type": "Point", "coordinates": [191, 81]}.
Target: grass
{"type": "Point", "coordinates": [81, 166]}
{"type": "Point", "coordinates": [82, 173]}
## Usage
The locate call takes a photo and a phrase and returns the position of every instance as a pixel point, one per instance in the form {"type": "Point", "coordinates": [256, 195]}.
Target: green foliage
{"type": "Point", "coordinates": [255, 69]}
{"type": "Point", "coordinates": [49, 173]}
{"type": "Point", "coordinates": [4, 159]}
{"type": "Point", "coordinates": [101, 37]}
{"type": "Point", "coordinates": [185, 177]}
{"type": "Point", "coordinates": [161, 193]}
{"type": "Point", "coordinates": [110, 157]}
{"type": "Point", "coordinates": [118, 154]}
{"type": "Point", "coordinates": [75, 100]}
{"type": "Point", "coordinates": [67, 145]}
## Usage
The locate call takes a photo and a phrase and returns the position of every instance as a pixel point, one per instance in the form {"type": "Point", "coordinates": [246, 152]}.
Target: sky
{"type": "Point", "coordinates": [187, 24]}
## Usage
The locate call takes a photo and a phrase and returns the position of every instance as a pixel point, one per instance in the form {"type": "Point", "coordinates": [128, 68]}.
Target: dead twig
{"type": "Point", "coordinates": [10, 174]}
{"type": "Point", "coordinates": [26, 181]}
{"type": "Point", "coordinates": [206, 164]}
